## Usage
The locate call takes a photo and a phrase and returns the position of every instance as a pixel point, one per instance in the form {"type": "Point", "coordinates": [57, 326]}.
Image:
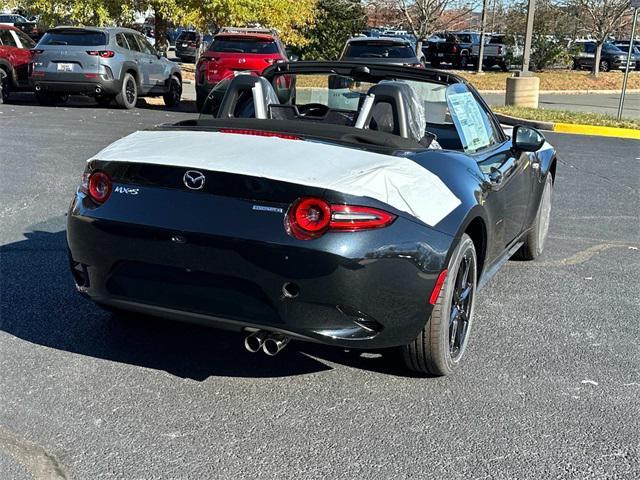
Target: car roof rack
{"type": "Point", "coordinates": [264, 31]}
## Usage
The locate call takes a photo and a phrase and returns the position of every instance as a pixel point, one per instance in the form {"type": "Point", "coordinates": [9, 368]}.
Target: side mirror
{"type": "Point", "coordinates": [527, 139]}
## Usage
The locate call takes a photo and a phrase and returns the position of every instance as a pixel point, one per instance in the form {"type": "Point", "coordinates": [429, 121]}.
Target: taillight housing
{"type": "Point", "coordinates": [101, 53]}
{"type": "Point", "coordinates": [312, 217]}
{"type": "Point", "coordinates": [97, 185]}
{"type": "Point", "coordinates": [454, 49]}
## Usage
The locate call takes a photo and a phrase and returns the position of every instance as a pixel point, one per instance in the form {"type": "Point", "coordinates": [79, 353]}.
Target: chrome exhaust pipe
{"type": "Point", "coordinates": [255, 341]}
{"type": "Point", "coordinates": [38, 88]}
{"type": "Point", "coordinates": [274, 343]}
{"type": "Point", "coordinates": [98, 90]}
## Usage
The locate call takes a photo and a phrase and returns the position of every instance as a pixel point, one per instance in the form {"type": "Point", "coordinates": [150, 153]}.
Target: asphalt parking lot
{"type": "Point", "coordinates": [550, 387]}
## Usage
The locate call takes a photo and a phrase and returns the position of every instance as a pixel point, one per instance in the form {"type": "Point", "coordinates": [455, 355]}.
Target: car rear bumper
{"type": "Point", "coordinates": [186, 52]}
{"type": "Point", "coordinates": [377, 299]}
{"type": "Point", "coordinates": [87, 86]}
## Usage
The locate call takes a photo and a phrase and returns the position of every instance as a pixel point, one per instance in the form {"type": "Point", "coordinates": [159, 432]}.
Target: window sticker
{"type": "Point", "coordinates": [468, 120]}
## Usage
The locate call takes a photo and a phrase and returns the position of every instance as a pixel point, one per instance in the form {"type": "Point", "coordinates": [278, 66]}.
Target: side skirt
{"type": "Point", "coordinates": [490, 272]}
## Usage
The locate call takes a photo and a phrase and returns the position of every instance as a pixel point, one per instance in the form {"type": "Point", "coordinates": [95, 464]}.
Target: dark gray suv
{"type": "Point", "coordinates": [105, 63]}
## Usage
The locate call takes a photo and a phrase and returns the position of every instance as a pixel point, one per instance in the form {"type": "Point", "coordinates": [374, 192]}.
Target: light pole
{"type": "Point", "coordinates": [635, 4]}
{"type": "Point", "coordinates": [483, 22]}
{"type": "Point", "coordinates": [527, 37]}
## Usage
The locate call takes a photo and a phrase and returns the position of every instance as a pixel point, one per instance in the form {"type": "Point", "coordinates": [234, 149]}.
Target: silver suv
{"type": "Point", "coordinates": [105, 63]}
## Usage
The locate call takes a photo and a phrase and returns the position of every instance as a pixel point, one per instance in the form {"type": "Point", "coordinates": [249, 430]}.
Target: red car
{"type": "Point", "coordinates": [15, 57]}
{"type": "Point", "coordinates": [234, 50]}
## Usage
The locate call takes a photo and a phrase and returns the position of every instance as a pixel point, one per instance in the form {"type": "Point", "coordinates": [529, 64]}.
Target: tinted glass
{"type": "Point", "coordinates": [133, 44]}
{"type": "Point", "coordinates": [610, 48]}
{"type": "Point", "coordinates": [233, 45]}
{"type": "Point", "coordinates": [79, 38]}
{"type": "Point", "coordinates": [25, 39]}
{"type": "Point", "coordinates": [145, 45]}
{"type": "Point", "coordinates": [589, 48]}
{"type": "Point", "coordinates": [187, 36]}
{"type": "Point", "coordinates": [378, 50]}
{"type": "Point", "coordinates": [7, 39]}
{"type": "Point", "coordinates": [121, 41]}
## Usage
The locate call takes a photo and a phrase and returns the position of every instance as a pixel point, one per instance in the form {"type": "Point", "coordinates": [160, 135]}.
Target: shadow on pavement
{"type": "Point", "coordinates": [80, 101]}
{"type": "Point", "coordinates": [39, 304]}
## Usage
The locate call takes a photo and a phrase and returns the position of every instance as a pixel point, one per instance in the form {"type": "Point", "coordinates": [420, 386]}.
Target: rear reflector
{"type": "Point", "coordinates": [311, 217]}
{"type": "Point", "coordinates": [436, 289]}
{"type": "Point", "coordinates": [259, 133]}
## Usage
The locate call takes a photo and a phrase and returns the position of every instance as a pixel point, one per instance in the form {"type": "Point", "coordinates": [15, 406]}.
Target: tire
{"type": "Point", "coordinates": [5, 87]}
{"type": "Point", "coordinates": [431, 352]}
{"type": "Point", "coordinates": [535, 239]}
{"type": "Point", "coordinates": [463, 62]}
{"type": "Point", "coordinates": [200, 102]}
{"type": "Point", "coordinates": [172, 97]}
{"type": "Point", "coordinates": [104, 100]}
{"type": "Point", "coordinates": [505, 67]}
{"type": "Point", "coordinates": [604, 66]}
{"type": "Point", "coordinates": [128, 96]}
{"type": "Point", "coordinates": [575, 66]}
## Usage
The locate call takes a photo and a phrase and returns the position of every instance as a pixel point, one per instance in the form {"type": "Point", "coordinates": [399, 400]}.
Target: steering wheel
{"type": "Point", "coordinates": [313, 110]}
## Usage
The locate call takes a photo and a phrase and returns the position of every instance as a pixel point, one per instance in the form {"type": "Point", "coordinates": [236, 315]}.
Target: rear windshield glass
{"type": "Point", "coordinates": [378, 50]}
{"type": "Point", "coordinates": [187, 36]}
{"type": "Point", "coordinates": [243, 45]}
{"type": "Point", "coordinates": [83, 38]}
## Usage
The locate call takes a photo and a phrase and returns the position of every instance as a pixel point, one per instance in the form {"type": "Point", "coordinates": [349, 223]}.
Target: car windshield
{"type": "Point", "coordinates": [243, 45]}
{"type": "Point", "coordinates": [187, 36]}
{"type": "Point", "coordinates": [77, 38]}
{"type": "Point", "coordinates": [378, 50]}
{"type": "Point", "coordinates": [409, 108]}
{"type": "Point", "coordinates": [611, 48]}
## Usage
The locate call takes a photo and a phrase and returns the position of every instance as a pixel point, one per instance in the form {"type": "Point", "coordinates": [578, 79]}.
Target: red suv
{"type": "Point", "coordinates": [234, 50]}
{"type": "Point", "coordinates": [15, 57]}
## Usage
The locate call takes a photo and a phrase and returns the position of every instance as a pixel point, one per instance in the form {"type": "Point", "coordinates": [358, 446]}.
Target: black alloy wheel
{"type": "Point", "coordinates": [440, 346]}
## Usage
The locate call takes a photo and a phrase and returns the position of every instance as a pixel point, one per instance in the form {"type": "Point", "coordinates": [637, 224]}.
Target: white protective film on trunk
{"type": "Point", "coordinates": [396, 181]}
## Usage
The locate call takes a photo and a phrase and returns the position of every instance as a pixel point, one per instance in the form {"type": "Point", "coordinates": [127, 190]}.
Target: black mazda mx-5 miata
{"type": "Point", "coordinates": [354, 205]}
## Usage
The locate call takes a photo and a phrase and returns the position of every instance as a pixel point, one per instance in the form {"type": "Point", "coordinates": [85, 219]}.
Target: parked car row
{"type": "Point", "coordinates": [108, 64]}
{"type": "Point", "coordinates": [613, 56]}
{"type": "Point", "coordinates": [462, 50]}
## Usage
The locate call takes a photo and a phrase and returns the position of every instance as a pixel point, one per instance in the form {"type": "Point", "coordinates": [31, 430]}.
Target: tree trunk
{"type": "Point", "coordinates": [419, 49]}
{"type": "Point", "coordinates": [596, 60]}
{"type": "Point", "coordinates": [161, 33]}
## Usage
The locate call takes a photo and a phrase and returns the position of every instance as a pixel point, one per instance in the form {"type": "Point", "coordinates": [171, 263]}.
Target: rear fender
{"type": "Point", "coordinates": [130, 67]}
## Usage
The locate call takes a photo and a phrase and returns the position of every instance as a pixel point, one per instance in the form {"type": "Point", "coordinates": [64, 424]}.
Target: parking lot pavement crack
{"type": "Point", "coordinates": [41, 464]}
{"type": "Point", "coordinates": [615, 181]}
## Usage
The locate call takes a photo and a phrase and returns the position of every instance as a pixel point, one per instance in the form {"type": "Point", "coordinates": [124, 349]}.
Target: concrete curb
{"type": "Point", "coordinates": [509, 120]}
{"type": "Point", "coordinates": [568, 92]}
{"type": "Point", "coordinates": [572, 128]}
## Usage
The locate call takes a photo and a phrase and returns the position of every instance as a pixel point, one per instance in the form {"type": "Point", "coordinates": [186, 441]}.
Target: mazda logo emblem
{"type": "Point", "coordinates": [193, 179]}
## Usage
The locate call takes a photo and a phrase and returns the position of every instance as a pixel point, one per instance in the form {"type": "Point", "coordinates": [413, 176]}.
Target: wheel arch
{"type": "Point", "coordinates": [9, 71]}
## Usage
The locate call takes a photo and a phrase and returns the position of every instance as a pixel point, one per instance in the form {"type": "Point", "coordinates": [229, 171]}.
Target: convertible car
{"type": "Point", "coordinates": [354, 205]}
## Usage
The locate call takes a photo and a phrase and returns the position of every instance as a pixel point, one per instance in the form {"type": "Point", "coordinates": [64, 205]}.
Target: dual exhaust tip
{"type": "Point", "coordinates": [270, 343]}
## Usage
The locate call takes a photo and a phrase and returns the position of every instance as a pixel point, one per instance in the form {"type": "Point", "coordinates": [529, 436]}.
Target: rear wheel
{"type": "Point", "coordinates": [535, 239]}
{"type": "Point", "coordinates": [5, 86]}
{"type": "Point", "coordinates": [440, 346]}
{"type": "Point", "coordinates": [128, 95]}
{"type": "Point", "coordinates": [604, 66]}
{"type": "Point", "coordinates": [172, 97]}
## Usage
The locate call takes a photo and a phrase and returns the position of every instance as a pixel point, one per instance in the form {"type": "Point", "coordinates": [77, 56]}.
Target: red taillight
{"type": "Point", "coordinates": [454, 49]}
{"type": "Point", "coordinates": [311, 217]}
{"type": "Point", "coordinates": [101, 53]}
{"type": "Point", "coordinates": [438, 286]}
{"type": "Point", "coordinates": [258, 133]}
{"type": "Point", "coordinates": [98, 186]}
{"type": "Point", "coordinates": [499, 50]}
{"type": "Point", "coordinates": [37, 74]}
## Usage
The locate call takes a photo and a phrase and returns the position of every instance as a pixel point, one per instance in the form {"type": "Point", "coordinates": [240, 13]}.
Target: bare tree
{"type": "Point", "coordinates": [600, 18]}
{"type": "Point", "coordinates": [425, 17]}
